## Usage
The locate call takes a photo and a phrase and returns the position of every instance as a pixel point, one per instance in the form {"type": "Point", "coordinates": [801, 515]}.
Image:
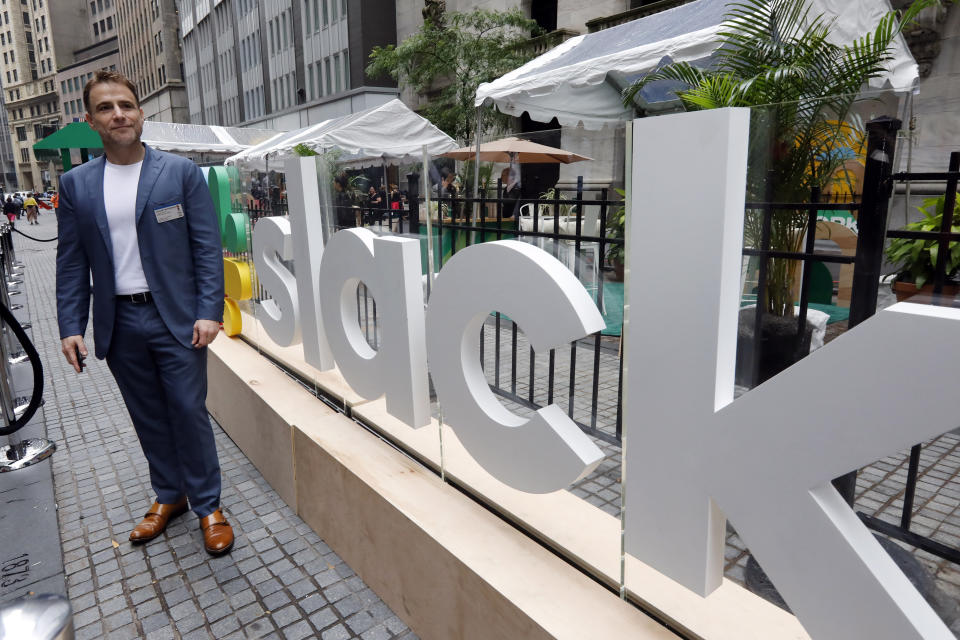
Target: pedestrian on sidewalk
{"type": "Point", "coordinates": [142, 223]}
{"type": "Point", "coordinates": [30, 204]}
{"type": "Point", "coordinates": [10, 210]}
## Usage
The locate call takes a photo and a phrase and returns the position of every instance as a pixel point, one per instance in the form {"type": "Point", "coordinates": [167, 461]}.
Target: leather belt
{"type": "Point", "coordinates": [136, 298]}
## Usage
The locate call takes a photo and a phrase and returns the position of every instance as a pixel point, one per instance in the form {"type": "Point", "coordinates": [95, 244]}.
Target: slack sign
{"type": "Point", "coordinates": [692, 455]}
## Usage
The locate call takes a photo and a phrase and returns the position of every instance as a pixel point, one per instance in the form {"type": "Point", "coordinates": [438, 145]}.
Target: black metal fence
{"type": "Point", "coordinates": [573, 226]}
{"type": "Point", "coordinates": [943, 237]}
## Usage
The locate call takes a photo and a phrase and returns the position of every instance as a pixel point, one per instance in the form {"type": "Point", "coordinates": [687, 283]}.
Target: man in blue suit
{"type": "Point", "coordinates": [142, 223]}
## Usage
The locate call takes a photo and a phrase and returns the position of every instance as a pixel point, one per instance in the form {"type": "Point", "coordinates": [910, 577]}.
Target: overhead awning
{"type": "Point", "coordinates": [580, 81]}
{"type": "Point", "coordinates": [166, 136]}
{"type": "Point", "coordinates": [76, 135]}
{"type": "Point", "coordinates": [175, 136]}
{"type": "Point", "coordinates": [388, 134]}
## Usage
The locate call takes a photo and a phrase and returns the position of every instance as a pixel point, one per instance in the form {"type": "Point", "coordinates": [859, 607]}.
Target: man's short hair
{"type": "Point", "coordinates": [103, 77]}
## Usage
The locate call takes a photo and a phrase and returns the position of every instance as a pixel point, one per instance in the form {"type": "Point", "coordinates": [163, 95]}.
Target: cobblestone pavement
{"type": "Point", "coordinates": [280, 580]}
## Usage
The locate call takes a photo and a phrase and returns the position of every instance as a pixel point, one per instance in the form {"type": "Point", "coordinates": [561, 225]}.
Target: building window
{"type": "Point", "coordinates": [326, 69]}
{"type": "Point", "coordinates": [285, 40]}
{"type": "Point", "coordinates": [109, 22]}
{"type": "Point", "coordinates": [333, 10]}
{"type": "Point", "coordinates": [21, 134]}
{"type": "Point", "coordinates": [25, 155]}
{"type": "Point", "coordinates": [96, 29]}
{"type": "Point", "coordinates": [326, 14]}
{"type": "Point", "coordinates": [336, 67]}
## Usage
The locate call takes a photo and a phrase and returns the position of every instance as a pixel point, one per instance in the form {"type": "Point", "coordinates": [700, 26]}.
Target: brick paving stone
{"type": "Point", "coordinates": [168, 588]}
{"type": "Point", "coordinates": [323, 618]}
{"type": "Point", "coordinates": [338, 632]}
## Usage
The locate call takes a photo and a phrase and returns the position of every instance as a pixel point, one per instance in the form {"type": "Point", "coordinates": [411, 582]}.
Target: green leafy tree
{"type": "Point", "coordinates": [453, 60]}
{"type": "Point", "coordinates": [774, 57]}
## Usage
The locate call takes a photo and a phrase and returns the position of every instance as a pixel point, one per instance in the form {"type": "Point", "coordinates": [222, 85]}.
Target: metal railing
{"type": "Point", "coordinates": [944, 237]}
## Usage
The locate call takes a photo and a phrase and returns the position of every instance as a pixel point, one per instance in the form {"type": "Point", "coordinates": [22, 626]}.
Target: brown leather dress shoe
{"type": "Point", "coordinates": [217, 533]}
{"type": "Point", "coordinates": [156, 519]}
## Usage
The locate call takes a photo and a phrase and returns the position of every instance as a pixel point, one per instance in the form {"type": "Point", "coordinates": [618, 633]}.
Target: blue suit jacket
{"type": "Point", "coordinates": [181, 258]}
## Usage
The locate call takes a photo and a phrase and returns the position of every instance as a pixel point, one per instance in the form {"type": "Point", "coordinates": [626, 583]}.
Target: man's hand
{"type": "Point", "coordinates": [204, 331]}
{"type": "Point", "coordinates": [70, 345]}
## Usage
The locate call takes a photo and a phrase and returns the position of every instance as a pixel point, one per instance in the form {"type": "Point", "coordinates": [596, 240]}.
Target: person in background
{"type": "Point", "coordinates": [510, 194]}
{"type": "Point", "coordinates": [343, 207]}
{"type": "Point", "coordinates": [30, 204]}
{"type": "Point", "coordinates": [10, 209]}
{"type": "Point", "coordinates": [374, 198]}
{"type": "Point", "coordinates": [17, 200]}
{"type": "Point", "coordinates": [396, 199]}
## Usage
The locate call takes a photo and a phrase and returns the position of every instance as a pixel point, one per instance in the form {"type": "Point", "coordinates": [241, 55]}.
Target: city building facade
{"type": "Point", "coordinates": [36, 38]}
{"type": "Point", "coordinates": [8, 165]}
{"type": "Point", "coordinates": [149, 53]}
{"type": "Point", "coordinates": [282, 64]}
{"type": "Point", "coordinates": [72, 78]}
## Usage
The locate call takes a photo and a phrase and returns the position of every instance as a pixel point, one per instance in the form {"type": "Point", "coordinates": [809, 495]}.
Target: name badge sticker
{"type": "Point", "coordinates": [169, 213]}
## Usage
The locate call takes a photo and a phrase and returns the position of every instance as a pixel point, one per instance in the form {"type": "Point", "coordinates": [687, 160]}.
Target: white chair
{"type": "Point", "coordinates": [589, 227]}
{"type": "Point", "coordinates": [543, 223]}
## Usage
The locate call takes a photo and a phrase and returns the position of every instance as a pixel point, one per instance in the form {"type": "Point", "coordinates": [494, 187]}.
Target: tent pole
{"type": "Point", "coordinates": [429, 218]}
{"type": "Point", "coordinates": [386, 192]}
{"type": "Point", "coordinates": [476, 175]}
{"type": "Point", "coordinates": [65, 157]}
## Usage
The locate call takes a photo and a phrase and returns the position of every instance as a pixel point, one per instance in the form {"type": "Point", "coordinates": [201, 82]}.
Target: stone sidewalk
{"type": "Point", "coordinates": [280, 580]}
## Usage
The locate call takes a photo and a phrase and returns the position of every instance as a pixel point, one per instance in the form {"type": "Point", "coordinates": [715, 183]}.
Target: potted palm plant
{"type": "Point", "coordinates": [776, 57]}
{"type": "Point", "coordinates": [916, 260]}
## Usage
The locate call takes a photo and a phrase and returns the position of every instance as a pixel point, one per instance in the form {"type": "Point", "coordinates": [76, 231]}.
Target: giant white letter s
{"type": "Point", "coordinates": [271, 244]}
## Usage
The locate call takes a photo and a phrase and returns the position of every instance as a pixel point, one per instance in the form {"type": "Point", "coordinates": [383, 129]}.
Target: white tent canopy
{"type": "Point", "coordinates": [577, 81]}
{"type": "Point", "coordinates": [198, 138]}
{"type": "Point", "coordinates": [388, 134]}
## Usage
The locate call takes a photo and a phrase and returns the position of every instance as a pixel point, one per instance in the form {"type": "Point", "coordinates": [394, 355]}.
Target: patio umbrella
{"type": "Point", "coordinates": [505, 149]}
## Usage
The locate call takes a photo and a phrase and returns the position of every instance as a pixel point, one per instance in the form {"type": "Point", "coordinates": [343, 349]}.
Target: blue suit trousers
{"type": "Point", "coordinates": [164, 386]}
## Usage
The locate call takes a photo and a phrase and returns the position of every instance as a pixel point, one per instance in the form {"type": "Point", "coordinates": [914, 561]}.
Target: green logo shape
{"type": "Point", "coordinates": [235, 232]}
{"type": "Point", "coordinates": [218, 180]}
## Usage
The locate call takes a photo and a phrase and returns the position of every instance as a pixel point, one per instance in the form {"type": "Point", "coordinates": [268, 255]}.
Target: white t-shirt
{"type": "Point", "coordinates": [120, 200]}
